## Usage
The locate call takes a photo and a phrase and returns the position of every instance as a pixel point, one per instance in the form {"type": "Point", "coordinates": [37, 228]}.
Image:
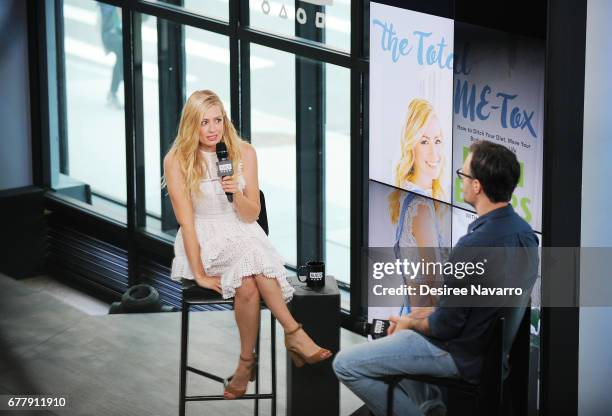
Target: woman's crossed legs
{"type": "Point", "coordinates": [246, 310]}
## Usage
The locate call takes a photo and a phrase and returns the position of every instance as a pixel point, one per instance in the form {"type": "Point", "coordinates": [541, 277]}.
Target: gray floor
{"type": "Point", "coordinates": [57, 341]}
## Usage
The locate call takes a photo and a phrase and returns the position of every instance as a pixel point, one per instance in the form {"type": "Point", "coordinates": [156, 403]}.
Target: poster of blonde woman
{"type": "Point", "coordinates": [411, 83]}
{"type": "Point", "coordinates": [408, 226]}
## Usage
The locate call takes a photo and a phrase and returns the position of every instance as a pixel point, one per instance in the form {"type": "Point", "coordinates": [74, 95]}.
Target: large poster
{"type": "Point", "coordinates": [499, 97]}
{"type": "Point", "coordinates": [436, 86]}
{"type": "Point", "coordinates": [411, 79]}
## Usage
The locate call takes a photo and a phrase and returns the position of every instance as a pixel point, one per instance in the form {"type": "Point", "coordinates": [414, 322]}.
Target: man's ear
{"type": "Point", "coordinates": [476, 186]}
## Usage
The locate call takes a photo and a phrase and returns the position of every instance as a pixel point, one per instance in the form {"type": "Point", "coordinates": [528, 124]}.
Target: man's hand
{"type": "Point", "coordinates": [398, 323]}
{"type": "Point", "coordinates": [421, 312]}
{"type": "Point", "coordinates": [410, 322]}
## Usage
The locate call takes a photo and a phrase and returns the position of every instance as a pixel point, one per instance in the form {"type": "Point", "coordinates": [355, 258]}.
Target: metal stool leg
{"type": "Point", "coordinates": [183, 369]}
{"type": "Point", "coordinates": [273, 364]}
{"type": "Point", "coordinates": [390, 389]}
{"type": "Point", "coordinates": [256, 412]}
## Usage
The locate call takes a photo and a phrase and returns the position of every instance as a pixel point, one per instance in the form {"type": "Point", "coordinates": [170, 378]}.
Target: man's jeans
{"type": "Point", "coordinates": [361, 367]}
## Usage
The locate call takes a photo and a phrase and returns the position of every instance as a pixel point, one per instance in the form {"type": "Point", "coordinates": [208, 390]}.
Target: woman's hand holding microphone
{"type": "Point", "coordinates": [230, 185]}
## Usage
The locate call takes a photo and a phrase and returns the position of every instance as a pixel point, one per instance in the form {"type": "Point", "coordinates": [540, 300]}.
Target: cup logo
{"type": "Point", "coordinates": [316, 275]}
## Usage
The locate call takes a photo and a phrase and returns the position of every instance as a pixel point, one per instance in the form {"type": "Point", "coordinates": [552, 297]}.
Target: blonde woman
{"type": "Point", "coordinates": [219, 244]}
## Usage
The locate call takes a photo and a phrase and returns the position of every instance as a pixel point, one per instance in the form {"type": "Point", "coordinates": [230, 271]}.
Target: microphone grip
{"type": "Point", "coordinates": [230, 197]}
{"type": "Point", "coordinates": [377, 329]}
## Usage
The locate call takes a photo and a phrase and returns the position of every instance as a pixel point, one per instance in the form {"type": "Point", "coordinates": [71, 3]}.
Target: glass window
{"type": "Point", "coordinates": [337, 173]}
{"type": "Point", "coordinates": [206, 63]}
{"type": "Point", "coordinates": [217, 9]}
{"type": "Point", "coordinates": [273, 135]}
{"type": "Point", "coordinates": [328, 21]}
{"type": "Point", "coordinates": [94, 170]}
{"type": "Point", "coordinates": [150, 98]}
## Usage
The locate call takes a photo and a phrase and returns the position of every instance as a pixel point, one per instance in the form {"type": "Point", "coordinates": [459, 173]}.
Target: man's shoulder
{"type": "Point", "coordinates": [493, 233]}
{"type": "Point", "coordinates": [521, 227]}
{"type": "Point", "coordinates": [519, 222]}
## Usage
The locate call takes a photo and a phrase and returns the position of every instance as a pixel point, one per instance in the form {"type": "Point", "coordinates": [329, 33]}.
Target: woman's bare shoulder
{"type": "Point", "coordinates": [247, 149]}
{"type": "Point", "coordinates": [171, 161]}
{"type": "Point", "coordinates": [248, 153]}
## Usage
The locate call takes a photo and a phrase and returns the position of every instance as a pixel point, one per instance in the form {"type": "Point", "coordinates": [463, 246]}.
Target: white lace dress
{"type": "Point", "coordinates": [229, 247]}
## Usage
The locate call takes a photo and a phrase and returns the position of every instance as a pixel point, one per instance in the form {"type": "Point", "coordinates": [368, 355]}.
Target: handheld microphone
{"type": "Point", "coordinates": [224, 166]}
{"type": "Point", "coordinates": [376, 329]}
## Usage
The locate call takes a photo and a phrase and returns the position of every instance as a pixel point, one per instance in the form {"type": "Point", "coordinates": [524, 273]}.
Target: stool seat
{"type": "Point", "coordinates": [197, 295]}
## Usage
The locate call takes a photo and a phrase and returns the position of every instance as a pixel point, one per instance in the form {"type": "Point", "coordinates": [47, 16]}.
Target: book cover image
{"type": "Point", "coordinates": [411, 78]}
{"type": "Point", "coordinates": [499, 97]}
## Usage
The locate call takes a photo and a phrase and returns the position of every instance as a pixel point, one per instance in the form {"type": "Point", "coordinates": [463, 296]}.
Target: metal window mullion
{"type": "Point", "coordinates": [41, 25]}
{"type": "Point", "coordinates": [358, 161]}
{"type": "Point", "coordinates": [138, 121]}
{"type": "Point", "coordinates": [245, 72]}
{"type": "Point", "coordinates": [310, 150]}
{"type": "Point", "coordinates": [235, 63]}
{"type": "Point", "coordinates": [245, 90]}
{"type": "Point", "coordinates": [64, 163]}
{"type": "Point", "coordinates": [171, 75]}
{"type": "Point", "coordinates": [130, 144]}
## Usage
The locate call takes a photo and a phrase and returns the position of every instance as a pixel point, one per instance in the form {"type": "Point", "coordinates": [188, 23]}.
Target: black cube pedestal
{"type": "Point", "coordinates": [24, 232]}
{"type": "Point", "coordinates": [314, 389]}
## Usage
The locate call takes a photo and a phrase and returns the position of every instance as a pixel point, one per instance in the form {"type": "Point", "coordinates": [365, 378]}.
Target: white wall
{"type": "Point", "coordinates": [15, 137]}
{"type": "Point", "coordinates": [595, 350]}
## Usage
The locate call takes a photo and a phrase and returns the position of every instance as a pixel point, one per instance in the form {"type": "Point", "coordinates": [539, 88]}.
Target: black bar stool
{"type": "Point", "coordinates": [488, 394]}
{"type": "Point", "coordinates": [194, 295]}
{"type": "Point", "coordinates": [489, 388]}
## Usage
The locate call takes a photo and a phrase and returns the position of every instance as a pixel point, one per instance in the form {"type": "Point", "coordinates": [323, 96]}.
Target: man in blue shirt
{"type": "Point", "coordinates": [449, 340]}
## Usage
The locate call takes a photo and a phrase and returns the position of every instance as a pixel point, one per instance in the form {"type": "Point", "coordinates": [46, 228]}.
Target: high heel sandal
{"type": "Point", "coordinates": [236, 393]}
{"type": "Point", "coordinates": [298, 358]}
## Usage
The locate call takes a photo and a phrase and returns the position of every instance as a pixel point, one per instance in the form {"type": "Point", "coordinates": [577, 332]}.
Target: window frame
{"type": "Point", "coordinates": [139, 239]}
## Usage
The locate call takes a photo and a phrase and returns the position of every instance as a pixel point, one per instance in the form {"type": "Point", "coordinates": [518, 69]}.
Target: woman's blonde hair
{"type": "Point", "coordinates": [187, 141]}
{"type": "Point", "coordinates": [419, 112]}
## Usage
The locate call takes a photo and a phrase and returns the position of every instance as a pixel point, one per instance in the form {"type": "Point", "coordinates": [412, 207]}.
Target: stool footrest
{"type": "Point", "coordinates": [221, 397]}
{"type": "Point", "coordinates": [205, 374]}
{"type": "Point", "coordinates": [458, 384]}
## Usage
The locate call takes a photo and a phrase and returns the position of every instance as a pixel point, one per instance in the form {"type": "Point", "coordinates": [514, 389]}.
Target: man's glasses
{"type": "Point", "coordinates": [461, 175]}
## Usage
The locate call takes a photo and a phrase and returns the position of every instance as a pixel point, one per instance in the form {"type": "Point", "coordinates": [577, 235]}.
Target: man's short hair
{"type": "Point", "coordinates": [496, 168]}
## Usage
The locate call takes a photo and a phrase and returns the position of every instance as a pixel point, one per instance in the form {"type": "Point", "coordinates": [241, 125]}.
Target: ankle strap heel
{"type": "Point", "coordinates": [293, 331]}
